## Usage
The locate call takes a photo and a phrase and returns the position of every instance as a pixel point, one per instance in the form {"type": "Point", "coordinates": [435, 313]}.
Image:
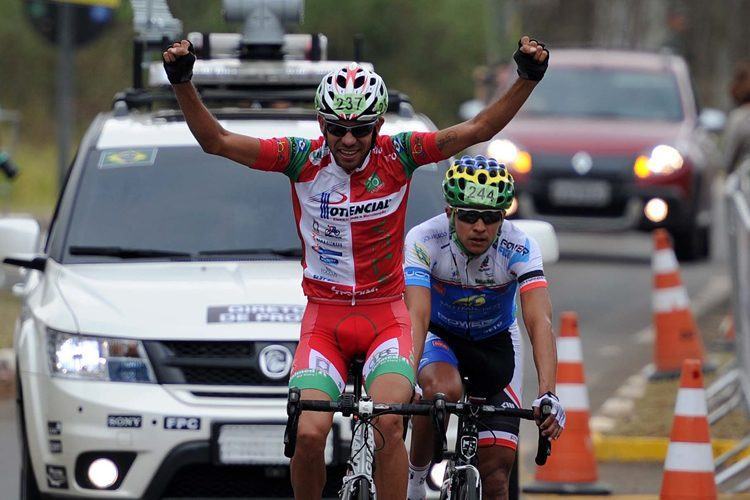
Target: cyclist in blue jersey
{"type": "Point", "coordinates": [462, 271]}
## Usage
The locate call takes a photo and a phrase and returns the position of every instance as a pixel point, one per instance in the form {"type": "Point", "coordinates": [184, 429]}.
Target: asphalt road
{"type": "Point", "coordinates": [606, 279]}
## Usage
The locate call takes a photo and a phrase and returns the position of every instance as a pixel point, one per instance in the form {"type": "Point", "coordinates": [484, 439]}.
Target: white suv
{"type": "Point", "coordinates": [160, 321]}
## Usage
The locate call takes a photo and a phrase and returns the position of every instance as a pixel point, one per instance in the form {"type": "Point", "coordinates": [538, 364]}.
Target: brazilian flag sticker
{"type": "Point", "coordinates": [127, 158]}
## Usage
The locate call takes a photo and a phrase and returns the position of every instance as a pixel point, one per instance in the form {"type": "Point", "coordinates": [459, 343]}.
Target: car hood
{"type": "Point", "coordinates": [195, 300]}
{"type": "Point", "coordinates": [602, 137]}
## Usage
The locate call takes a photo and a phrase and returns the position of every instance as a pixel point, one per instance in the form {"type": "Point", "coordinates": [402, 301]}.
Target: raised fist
{"type": "Point", "coordinates": [178, 62]}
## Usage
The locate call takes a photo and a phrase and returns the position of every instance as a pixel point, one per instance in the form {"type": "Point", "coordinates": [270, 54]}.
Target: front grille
{"type": "Point", "coordinates": [210, 481]}
{"type": "Point", "coordinates": [225, 363]}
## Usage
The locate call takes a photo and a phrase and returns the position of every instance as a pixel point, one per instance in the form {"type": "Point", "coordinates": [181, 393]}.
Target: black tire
{"type": "Point", "coordinates": [29, 490]}
{"type": "Point", "coordinates": [692, 244]}
{"type": "Point", "coordinates": [471, 486]}
{"type": "Point", "coordinates": [359, 489]}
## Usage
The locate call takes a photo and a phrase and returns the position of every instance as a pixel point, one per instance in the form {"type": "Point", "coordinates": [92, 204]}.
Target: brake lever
{"type": "Point", "coordinates": [544, 445]}
{"type": "Point", "coordinates": [440, 443]}
{"type": "Point", "coordinates": [290, 432]}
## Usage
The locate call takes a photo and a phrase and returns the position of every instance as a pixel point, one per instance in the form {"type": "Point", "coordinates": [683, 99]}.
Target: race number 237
{"type": "Point", "coordinates": [349, 103]}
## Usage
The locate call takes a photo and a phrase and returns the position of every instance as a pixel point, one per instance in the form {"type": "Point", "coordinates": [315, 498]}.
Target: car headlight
{"type": "Point", "coordinates": [98, 358]}
{"type": "Point", "coordinates": [662, 161]}
{"type": "Point", "coordinates": [504, 151]}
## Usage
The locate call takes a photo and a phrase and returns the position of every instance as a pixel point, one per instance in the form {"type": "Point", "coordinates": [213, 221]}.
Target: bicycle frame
{"type": "Point", "coordinates": [363, 410]}
{"type": "Point", "coordinates": [462, 464]}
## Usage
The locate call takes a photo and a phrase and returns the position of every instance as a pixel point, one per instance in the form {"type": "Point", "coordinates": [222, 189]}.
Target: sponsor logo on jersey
{"type": "Point", "coordinates": [485, 265]}
{"type": "Point", "coordinates": [332, 196]}
{"type": "Point", "coordinates": [316, 156]}
{"type": "Point", "coordinates": [361, 210]}
{"type": "Point", "coordinates": [348, 292]}
{"type": "Point", "coordinates": [397, 144]}
{"type": "Point", "coordinates": [514, 247]}
{"type": "Point", "coordinates": [326, 251]}
{"type": "Point", "coordinates": [374, 183]}
{"type": "Point", "coordinates": [330, 243]}
{"type": "Point", "coordinates": [329, 230]}
{"type": "Point", "coordinates": [420, 251]}
{"type": "Point", "coordinates": [328, 260]}
{"type": "Point", "coordinates": [471, 301]}
{"type": "Point", "coordinates": [435, 236]}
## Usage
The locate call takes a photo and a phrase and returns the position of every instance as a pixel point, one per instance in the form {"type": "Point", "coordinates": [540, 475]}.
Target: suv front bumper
{"type": "Point", "coordinates": [169, 433]}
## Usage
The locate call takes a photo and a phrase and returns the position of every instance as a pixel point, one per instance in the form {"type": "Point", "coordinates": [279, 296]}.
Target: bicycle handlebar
{"type": "Point", "coordinates": [439, 409]}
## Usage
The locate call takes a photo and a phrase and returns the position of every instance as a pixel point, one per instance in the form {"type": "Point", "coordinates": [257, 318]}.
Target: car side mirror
{"type": "Point", "coordinates": [713, 120]}
{"type": "Point", "coordinates": [18, 235]}
{"type": "Point", "coordinates": [544, 235]}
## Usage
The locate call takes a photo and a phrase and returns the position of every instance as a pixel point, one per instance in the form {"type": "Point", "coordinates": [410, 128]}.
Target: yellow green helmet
{"type": "Point", "coordinates": [478, 182]}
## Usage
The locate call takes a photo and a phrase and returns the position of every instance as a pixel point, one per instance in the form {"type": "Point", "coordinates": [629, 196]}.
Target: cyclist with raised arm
{"type": "Point", "coordinates": [462, 271]}
{"type": "Point", "coordinates": [349, 191]}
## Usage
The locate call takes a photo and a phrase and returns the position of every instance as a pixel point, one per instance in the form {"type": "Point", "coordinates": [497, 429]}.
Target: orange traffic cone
{"type": "Point", "coordinates": [689, 466]}
{"type": "Point", "coordinates": [571, 469]}
{"type": "Point", "coordinates": [677, 336]}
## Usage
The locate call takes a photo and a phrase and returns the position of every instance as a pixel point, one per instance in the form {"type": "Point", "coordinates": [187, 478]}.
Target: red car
{"type": "Point", "coordinates": [613, 140]}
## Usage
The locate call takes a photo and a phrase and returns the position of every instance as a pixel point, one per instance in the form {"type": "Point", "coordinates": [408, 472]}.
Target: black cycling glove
{"type": "Point", "coordinates": [181, 70]}
{"type": "Point", "coordinates": [528, 68]}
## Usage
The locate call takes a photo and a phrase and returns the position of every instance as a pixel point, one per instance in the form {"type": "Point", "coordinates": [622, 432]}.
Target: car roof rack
{"type": "Point", "coordinates": [243, 98]}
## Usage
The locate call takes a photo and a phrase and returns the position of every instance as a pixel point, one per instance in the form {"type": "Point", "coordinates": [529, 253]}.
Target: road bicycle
{"type": "Point", "coordinates": [358, 483]}
{"type": "Point", "coordinates": [461, 480]}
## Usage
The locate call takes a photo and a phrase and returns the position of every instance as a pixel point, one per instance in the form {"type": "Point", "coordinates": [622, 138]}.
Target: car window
{"type": "Point", "coordinates": [180, 199]}
{"type": "Point", "coordinates": [606, 93]}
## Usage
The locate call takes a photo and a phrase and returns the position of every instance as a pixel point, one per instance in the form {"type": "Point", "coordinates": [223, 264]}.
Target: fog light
{"type": "Point", "coordinates": [437, 472]}
{"type": "Point", "coordinates": [103, 473]}
{"type": "Point", "coordinates": [656, 210]}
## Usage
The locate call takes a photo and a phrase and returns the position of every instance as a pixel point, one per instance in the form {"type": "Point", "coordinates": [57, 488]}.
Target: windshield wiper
{"type": "Point", "coordinates": [125, 253]}
{"type": "Point", "coordinates": [282, 252]}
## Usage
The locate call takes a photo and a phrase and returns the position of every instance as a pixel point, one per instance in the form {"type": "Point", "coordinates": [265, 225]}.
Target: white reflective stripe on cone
{"type": "Point", "coordinates": [692, 457]}
{"type": "Point", "coordinates": [670, 299]}
{"type": "Point", "coordinates": [569, 350]}
{"type": "Point", "coordinates": [573, 397]}
{"type": "Point", "coordinates": [664, 261]}
{"type": "Point", "coordinates": [691, 403]}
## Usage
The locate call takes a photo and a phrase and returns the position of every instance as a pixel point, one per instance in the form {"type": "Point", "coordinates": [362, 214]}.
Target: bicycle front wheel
{"type": "Point", "coordinates": [470, 485]}
{"type": "Point", "coordinates": [358, 489]}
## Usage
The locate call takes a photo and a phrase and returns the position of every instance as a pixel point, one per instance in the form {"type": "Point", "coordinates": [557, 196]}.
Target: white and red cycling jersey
{"type": "Point", "coordinates": [351, 225]}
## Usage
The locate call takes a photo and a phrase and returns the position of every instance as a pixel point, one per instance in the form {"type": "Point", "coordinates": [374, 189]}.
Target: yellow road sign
{"type": "Point", "coordinates": [104, 3]}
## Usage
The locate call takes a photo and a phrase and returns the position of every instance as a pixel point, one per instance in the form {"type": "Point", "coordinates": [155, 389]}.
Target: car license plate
{"type": "Point", "coordinates": [586, 193]}
{"type": "Point", "coordinates": [257, 444]}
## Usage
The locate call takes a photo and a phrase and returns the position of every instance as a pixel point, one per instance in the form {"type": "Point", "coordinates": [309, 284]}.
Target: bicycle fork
{"type": "Point", "coordinates": [362, 456]}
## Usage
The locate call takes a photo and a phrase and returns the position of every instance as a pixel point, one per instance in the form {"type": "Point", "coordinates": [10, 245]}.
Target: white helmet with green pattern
{"type": "Point", "coordinates": [351, 93]}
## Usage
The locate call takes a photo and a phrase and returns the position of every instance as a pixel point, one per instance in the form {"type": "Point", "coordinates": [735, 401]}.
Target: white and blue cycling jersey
{"type": "Point", "coordinates": [472, 297]}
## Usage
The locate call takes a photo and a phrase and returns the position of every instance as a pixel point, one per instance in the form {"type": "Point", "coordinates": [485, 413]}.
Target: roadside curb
{"type": "Point", "coordinates": [613, 448]}
{"type": "Point", "coordinates": [646, 449]}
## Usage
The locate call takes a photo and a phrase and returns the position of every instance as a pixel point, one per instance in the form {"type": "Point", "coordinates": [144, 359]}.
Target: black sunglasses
{"type": "Point", "coordinates": [471, 216]}
{"type": "Point", "coordinates": [358, 131]}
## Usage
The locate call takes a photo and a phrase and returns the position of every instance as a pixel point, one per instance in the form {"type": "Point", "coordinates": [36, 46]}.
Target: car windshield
{"type": "Point", "coordinates": [606, 93]}
{"type": "Point", "coordinates": [156, 203]}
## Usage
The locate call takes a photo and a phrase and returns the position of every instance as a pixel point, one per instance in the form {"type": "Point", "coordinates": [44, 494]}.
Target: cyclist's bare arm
{"type": "Point", "coordinates": [496, 116]}
{"type": "Point", "coordinates": [537, 316]}
{"type": "Point", "coordinates": [209, 133]}
{"type": "Point", "coordinates": [417, 300]}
